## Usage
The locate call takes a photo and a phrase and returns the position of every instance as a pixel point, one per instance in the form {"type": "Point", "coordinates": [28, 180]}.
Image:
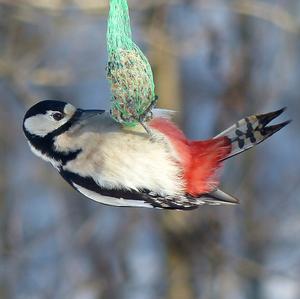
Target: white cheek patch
{"type": "Point", "coordinates": [42, 124]}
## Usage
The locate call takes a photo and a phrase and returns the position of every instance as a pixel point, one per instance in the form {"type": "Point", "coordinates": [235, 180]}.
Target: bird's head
{"type": "Point", "coordinates": [53, 117]}
{"type": "Point", "coordinates": [46, 117]}
{"type": "Point", "coordinates": [46, 120]}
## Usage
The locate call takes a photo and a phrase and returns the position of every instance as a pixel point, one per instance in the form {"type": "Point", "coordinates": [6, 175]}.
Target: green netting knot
{"type": "Point", "coordinates": [128, 70]}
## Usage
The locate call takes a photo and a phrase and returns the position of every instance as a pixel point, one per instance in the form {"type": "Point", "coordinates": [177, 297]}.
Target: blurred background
{"type": "Point", "coordinates": [216, 61]}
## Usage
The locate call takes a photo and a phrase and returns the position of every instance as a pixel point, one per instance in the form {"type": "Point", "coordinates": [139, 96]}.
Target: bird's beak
{"type": "Point", "coordinates": [85, 114]}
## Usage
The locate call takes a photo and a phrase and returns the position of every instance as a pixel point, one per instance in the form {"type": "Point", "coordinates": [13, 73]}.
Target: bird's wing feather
{"type": "Point", "coordinates": [142, 198]}
{"type": "Point", "coordinates": [218, 197]}
{"type": "Point", "coordinates": [116, 197]}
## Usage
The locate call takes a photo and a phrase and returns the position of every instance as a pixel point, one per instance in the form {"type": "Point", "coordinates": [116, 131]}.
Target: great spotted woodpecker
{"type": "Point", "coordinates": [127, 166]}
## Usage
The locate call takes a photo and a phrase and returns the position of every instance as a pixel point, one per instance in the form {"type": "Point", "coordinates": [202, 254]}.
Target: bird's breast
{"type": "Point", "coordinates": [129, 160]}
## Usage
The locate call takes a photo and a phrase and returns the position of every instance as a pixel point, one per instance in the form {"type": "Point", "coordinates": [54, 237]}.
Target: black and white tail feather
{"type": "Point", "coordinates": [243, 135]}
{"type": "Point", "coordinates": [251, 131]}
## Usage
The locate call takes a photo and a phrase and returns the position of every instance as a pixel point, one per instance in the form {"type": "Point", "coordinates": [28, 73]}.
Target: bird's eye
{"type": "Point", "coordinates": [57, 116]}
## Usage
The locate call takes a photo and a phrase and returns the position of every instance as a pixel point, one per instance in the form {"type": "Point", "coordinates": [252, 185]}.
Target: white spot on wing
{"type": "Point", "coordinates": [112, 201]}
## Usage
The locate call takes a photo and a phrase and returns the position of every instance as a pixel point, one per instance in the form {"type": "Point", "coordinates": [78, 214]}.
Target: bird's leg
{"type": "Point", "coordinates": [156, 138]}
{"type": "Point", "coordinates": [146, 128]}
{"type": "Point", "coordinates": [153, 137]}
{"type": "Point", "coordinates": [144, 116]}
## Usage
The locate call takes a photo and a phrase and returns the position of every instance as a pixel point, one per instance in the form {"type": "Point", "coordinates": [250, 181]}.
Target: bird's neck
{"type": "Point", "coordinates": [44, 148]}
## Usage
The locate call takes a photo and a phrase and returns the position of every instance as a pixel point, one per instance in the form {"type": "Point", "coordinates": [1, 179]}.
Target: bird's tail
{"type": "Point", "coordinates": [251, 131]}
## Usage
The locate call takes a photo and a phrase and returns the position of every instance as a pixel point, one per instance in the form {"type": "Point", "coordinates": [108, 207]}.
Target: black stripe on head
{"type": "Point", "coordinates": [45, 144]}
{"type": "Point", "coordinates": [44, 106]}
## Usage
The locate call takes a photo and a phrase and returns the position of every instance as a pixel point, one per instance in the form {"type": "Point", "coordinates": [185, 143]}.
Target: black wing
{"type": "Point", "coordinates": [153, 199]}
{"type": "Point", "coordinates": [186, 202]}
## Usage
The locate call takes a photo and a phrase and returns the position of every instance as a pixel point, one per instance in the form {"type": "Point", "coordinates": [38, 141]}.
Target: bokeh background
{"type": "Point", "coordinates": [216, 61]}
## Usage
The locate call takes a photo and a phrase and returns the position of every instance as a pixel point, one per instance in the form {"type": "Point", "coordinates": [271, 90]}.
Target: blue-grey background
{"type": "Point", "coordinates": [216, 62]}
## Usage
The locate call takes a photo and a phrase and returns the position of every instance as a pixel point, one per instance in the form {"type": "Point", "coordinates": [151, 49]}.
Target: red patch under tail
{"type": "Point", "coordinates": [200, 160]}
{"type": "Point", "coordinates": [202, 176]}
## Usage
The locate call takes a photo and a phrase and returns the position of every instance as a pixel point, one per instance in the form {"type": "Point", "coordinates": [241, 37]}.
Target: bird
{"type": "Point", "coordinates": [133, 167]}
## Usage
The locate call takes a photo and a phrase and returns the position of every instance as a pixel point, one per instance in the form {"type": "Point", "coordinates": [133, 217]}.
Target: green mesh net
{"type": "Point", "coordinates": [128, 70]}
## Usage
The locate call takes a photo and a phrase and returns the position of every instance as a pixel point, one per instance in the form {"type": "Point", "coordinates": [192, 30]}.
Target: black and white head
{"type": "Point", "coordinates": [46, 117]}
{"type": "Point", "coordinates": [46, 120]}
